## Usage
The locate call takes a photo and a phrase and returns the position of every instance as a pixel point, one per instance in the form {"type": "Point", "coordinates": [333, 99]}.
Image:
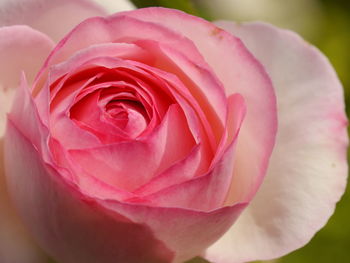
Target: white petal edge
{"type": "Point", "coordinates": [308, 169]}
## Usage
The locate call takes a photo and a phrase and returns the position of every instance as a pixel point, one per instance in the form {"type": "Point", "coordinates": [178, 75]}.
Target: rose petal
{"type": "Point", "coordinates": [21, 49]}
{"type": "Point", "coordinates": [16, 245]}
{"type": "Point", "coordinates": [181, 171]}
{"type": "Point", "coordinates": [25, 115]}
{"type": "Point", "coordinates": [46, 15]}
{"type": "Point", "coordinates": [308, 169]}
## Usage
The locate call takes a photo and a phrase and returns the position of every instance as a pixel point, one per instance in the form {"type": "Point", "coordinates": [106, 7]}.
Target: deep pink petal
{"type": "Point", "coordinates": [181, 171]}
{"type": "Point", "coordinates": [308, 168]}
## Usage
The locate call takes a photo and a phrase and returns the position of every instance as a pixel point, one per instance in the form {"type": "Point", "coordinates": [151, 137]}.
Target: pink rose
{"type": "Point", "coordinates": [146, 135]}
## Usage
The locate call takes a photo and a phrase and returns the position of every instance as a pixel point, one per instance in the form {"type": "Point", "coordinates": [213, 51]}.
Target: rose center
{"type": "Point", "coordinates": [110, 114]}
{"type": "Point", "coordinates": [128, 115]}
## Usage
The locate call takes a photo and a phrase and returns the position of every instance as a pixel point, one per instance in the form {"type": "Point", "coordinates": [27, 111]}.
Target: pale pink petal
{"type": "Point", "coordinates": [308, 168]}
{"type": "Point", "coordinates": [25, 115]}
{"type": "Point", "coordinates": [16, 244]}
{"type": "Point", "coordinates": [52, 17]}
{"type": "Point", "coordinates": [21, 49]}
{"type": "Point", "coordinates": [259, 127]}
{"type": "Point", "coordinates": [69, 226]}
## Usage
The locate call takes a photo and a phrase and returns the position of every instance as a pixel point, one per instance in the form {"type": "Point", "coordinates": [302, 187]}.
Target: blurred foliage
{"type": "Point", "coordinates": [197, 260]}
{"type": "Point", "coordinates": [334, 39]}
{"type": "Point", "coordinates": [187, 6]}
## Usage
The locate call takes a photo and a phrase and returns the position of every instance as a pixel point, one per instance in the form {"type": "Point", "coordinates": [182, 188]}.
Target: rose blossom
{"type": "Point", "coordinates": [146, 135]}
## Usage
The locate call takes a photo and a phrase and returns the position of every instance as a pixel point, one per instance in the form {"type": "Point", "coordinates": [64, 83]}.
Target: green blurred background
{"type": "Point", "coordinates": [326, 24]}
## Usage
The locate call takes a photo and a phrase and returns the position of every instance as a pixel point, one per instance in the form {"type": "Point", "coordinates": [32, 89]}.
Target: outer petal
{"type": "Point", "coordinates": [15, 243]}
{"type": "Point", "coordinates": [21, 49]}
{"type": "Point", "coordinates": [308, 169]}
{"type": "Point", "coordinates": [52, 17]}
